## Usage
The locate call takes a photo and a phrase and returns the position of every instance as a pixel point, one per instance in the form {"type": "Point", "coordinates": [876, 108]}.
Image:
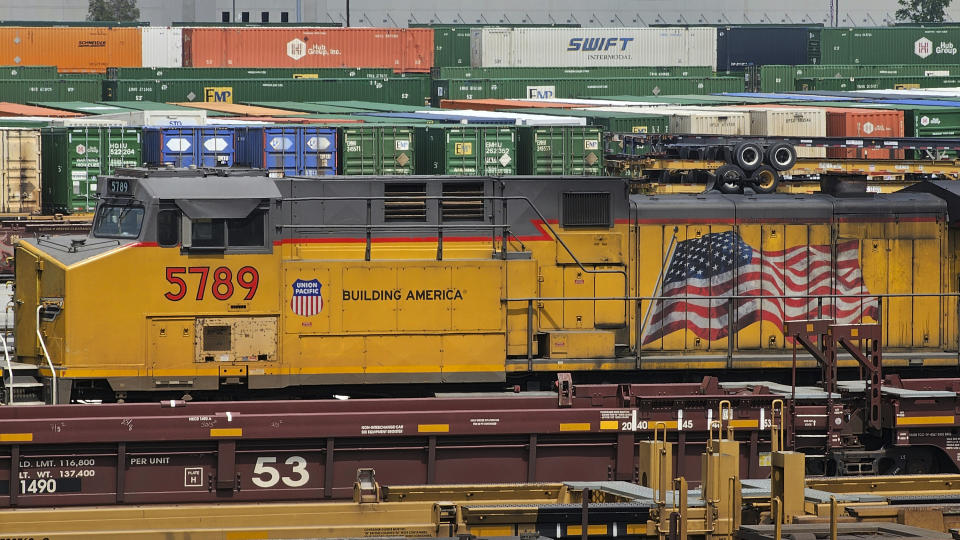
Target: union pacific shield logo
{"type": "Point", "coordinates": [306, 300]}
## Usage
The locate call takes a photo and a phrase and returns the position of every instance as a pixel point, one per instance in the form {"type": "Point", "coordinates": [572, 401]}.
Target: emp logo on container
{"type": "Point", "coordinates": [598, 44]}
{"type": "Point", "coordinates": [222, 94]}
{"type": "Point", "coordinates": [541, 92]}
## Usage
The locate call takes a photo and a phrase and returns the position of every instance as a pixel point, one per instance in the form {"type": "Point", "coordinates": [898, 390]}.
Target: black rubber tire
{"type": "Point", "coordinates": [781, 156]}
{"type": "Point", "coordinates": [748, 156]}
{"type": "Point", "coordinates": [729, 179]}
{"type": "Point", "coordinates": [765, 179]}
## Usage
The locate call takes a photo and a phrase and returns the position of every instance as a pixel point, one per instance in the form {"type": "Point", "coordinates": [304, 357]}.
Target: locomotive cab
{"type": "Point", "coordinates": [178, 311]}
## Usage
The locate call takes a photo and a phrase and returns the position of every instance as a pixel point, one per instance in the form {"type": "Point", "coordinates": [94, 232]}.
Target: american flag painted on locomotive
{"type": "Point", "coordinates": [306, 300]}
{"type": "Point", "coordinates": [722, 264]}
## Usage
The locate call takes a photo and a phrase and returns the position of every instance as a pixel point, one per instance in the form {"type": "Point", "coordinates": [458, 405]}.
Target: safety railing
{"type": "Point", "coordinates": [824, 305]}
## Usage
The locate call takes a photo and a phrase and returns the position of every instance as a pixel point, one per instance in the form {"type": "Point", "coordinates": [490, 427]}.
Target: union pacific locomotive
{"type": "Point", "coordinates": [200, 285]}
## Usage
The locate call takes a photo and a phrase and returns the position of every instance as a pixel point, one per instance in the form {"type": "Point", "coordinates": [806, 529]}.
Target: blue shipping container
{"type": "Point", "coordinates": [189, 146]}
{"type": "Point", "coordinates": [295, 150]}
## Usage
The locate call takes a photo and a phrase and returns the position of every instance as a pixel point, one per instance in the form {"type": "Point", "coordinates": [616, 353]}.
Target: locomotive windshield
{"type": "Point", "coordinates": [118, 221]}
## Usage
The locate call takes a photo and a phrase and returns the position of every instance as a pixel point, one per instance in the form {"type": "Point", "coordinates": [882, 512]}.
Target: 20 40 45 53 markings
{"type": "Point", "coordinates": [266, 474]}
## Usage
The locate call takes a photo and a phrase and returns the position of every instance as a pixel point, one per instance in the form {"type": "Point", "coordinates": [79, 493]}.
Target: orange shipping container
{"type": "Point", "coordinates": [73, 49]}
{"type": "Point", "coordinates": [403, 50]}
{"type": "Point", "coordinates": [17, 109]}
{"type": "Point", "coordinates": [843, 122]}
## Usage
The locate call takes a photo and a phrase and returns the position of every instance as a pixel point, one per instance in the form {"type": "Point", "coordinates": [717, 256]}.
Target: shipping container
{"type": "Point", "coordinates": [569, 72]}
{"type": "Point", "coordinates": [537, 89]}
{"type": "Point", "coordinates": [409, 91]}
{"type": "Point", "coordinates": [211, 146]}
{"type": "Point", "coordinates": [440, 118]}
{"type": "Point", "coordinates": [789, 122]}
{"type": "Point", "coordinates": [31, 91]}
{"type": "Point", "coordinates": [742, 46]}
{"type": "Point", "coordinates": [589, 47]}
{"type": "Point", "coordinates": [20, 172]}
{"type": "Point", "coordinates": [783, 78]}
{"type": "Point", "coordinates": [82, 107]}
{"type": "Point", "coordinates": [289, 150]}
{"type": "Point", "coordinates": [890, 45]}
{"type": "Point", "coordinates": [83, 49]}
{"type": "Point", "coordinates": [157, 107]}
{"type": "Point", "coordinates": [158, 118]}
{"type": "Point", "coordinates": [174, 73]}
{"type": "Point", "coordinates": [401, 49]}
{"type": "Point", "coordinates": [842, 122]}
{"type": "Point", "coordinates": [75, 158]}
{"type": "Point", "coordinates": [874, 82]}
{"type": "Point", "coordinates": [560, 150]}
{"type": "Point", "coordinates": [694, 121]}
{"type": "Point", "coordinates": [162, 47]}
{"type": "Point", "coordinates": [297, 106]}
{"type": "Point", "coordinates": [28, 72]}
{"type": "Point", "coordinates": [503, 104]}
{"type": "Point", "coordinates": [451, 45]}
{"type": "Point", "coordinates": [613, 122]}
{"type": "Point", "coordinates": [381, 150]}
{"type": "Point", "coordinates": [466, 150]}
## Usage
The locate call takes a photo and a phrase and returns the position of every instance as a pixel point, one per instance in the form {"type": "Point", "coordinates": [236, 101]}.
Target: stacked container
{"type": "Point", "coordinates": [162, 47]}
{"type": "Point", "coordinates": [842, 122]}
{"type": "Point", "coordinates": [779, 121]}
{"type": "Point", "coordinates": [288, 150]}
{"type": "Point", "coordinates": [382, 150]}
{"type": "Point", "coordinates": [401, 49]}
{"type": "Point", "coordinates": [71, 49]}
{"type": "Point", "coordinates": [560, 150]}
{"type": "Point", "coordinates": [20, 171]}
{"type": "Point", "coordinates": [468, 151]}
{"type": "Point", "coordinates": [75, 158]}
{"type": "Point", "coordinates": [189, 146]}
{"type": "Point", "coordinates": [581, 47]}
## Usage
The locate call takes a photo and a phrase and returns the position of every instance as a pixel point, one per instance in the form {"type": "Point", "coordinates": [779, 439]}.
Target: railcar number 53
{"type": "Point", "coordinates": [221, 286]}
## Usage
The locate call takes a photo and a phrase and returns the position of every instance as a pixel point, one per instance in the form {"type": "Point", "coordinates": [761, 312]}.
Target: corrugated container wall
{"type": "Point", "coordinates": [890, 45]}
{"type": "Point", "coordinates": [864, 123]}
{"type": "Point", "coordinates": [385, 150]}
{"type": "Point", "coordinates": [73, 49]}
{"type": "Point", "coordinates": [162, 46]}
{"type": "Point", "coordinates": [470, 151]}
{"type": "Point", "coordinates": [790, 122]}
{"type": "Point", "coordinates": [742, 46]}
{"type": "Point", "coordinates": [20, 171]}
{"type": "Point", "coordinates": [587, 47]}
{"type": "Point", "coordinates": [398, 49]}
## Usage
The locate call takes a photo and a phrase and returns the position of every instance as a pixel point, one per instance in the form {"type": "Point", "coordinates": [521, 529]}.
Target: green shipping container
{"type": "Point", "coordinates": [384, 150]}
{"type": "Point", "coordinates": [558, 150]}
{"type": "Point", "coordinates": [568, 72]}
{"type": "Point", "coordinates": [32, 90]}
{"type": "Point", "coordinates": [889, 45]}
{"type": "Point", "coordinates": [577, 88]}
{"type": "Point", "coordinates": [466, 150]}
{"type": "Point", "coordinates": [451, 46]}
{"type": "Point", "coordinates": [874, 83]}
{"type": "Point", "coordinates": [213, 74]}
{"type": "Point", "coordinates": [75, 158]}
{"type": "Point", "coordinates": [28, 72]}
{"type": "Point", "coordinates": [407, 91]}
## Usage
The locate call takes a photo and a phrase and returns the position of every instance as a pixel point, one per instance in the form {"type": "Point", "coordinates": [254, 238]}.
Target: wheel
{"type": "Point", "coordinates": [781, 156]}
{"type": "Point", "coordinates": [748, 156]}
{"type": "Point", "coordinates": [765, 179]}
{"type": "Point", "coordinates": [729, 178]}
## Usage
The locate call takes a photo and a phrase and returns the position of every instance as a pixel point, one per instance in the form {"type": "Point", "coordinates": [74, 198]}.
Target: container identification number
{"type": "Point", "coordinates": [221, 286]}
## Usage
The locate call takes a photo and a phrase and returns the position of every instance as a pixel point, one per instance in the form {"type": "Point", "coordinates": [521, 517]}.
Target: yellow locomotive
{"type": "Point", "coordinates": [198, 285]}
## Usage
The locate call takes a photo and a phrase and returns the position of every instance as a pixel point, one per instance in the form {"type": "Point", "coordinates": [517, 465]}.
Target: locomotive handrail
{"type": "Point", "coordinates": [43, 345]}
{"type": "Point", "coordinates": [640, 327]}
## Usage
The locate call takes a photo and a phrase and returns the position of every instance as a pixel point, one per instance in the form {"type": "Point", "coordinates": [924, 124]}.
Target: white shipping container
{"type": "Point", "coordinates": [695, 121]}
{"type": "Point", "coordinates": [162, 46]}
{"type": "Point", "coordinates": [790, 122]}
{"type": "Point", "coordinates": [20, 171]}
{"type": "Point", "coordinates": [593, 47]}
{"type": "Point", "coordinates": [159, 118]}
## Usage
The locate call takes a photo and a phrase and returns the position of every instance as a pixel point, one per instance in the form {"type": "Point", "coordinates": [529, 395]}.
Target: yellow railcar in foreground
{"type": "Point", "coordinates": [202, 285]}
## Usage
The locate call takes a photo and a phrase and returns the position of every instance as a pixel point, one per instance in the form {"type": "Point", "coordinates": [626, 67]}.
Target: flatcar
{"type": "Point", "coordinates": [206, 285]}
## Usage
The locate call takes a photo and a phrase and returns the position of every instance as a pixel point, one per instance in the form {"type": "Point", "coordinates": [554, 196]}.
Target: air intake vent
{"type": "Point", "coordinates": [405, 202]}
{"type": "Point", "coordinates": [460, 207]}
{"type": "Point", "coordinates": [585, 209]}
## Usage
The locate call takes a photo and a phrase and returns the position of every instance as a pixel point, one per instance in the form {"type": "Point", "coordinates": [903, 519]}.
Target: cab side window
{"type": "Point", "coordinates": [168, 227]}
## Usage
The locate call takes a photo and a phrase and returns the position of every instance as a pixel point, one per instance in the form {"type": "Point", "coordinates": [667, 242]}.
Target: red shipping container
{"type": "Point", "coordinates": [843, 122]}
{"type": "Point", "coordinates": [400, 49]}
